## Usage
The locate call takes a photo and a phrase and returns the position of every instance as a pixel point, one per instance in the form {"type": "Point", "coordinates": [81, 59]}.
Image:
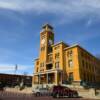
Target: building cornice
{"type": "Point", "coordinates": [77, 45]}
{"type": "Point", "coordinates": [36, 59]}
{"type": "Point", "coordinates": [72, 46]}
{"type": "Point", "coordinates": [61, 42]}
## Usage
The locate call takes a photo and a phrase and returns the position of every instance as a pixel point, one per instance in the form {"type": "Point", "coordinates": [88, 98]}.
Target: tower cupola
{"type": "Point", "coordinates": [47, 27]}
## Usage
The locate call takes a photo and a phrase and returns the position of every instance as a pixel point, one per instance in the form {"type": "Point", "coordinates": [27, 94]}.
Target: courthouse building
{"type": "Point", "coordinates": [60, 63]}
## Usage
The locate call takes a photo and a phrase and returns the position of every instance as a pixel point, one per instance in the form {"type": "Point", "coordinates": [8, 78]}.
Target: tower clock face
{"type": "Point", "coordinates": [43, 41]}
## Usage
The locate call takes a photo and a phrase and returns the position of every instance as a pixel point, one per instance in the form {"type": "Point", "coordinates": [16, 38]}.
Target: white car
{"type": "Point", "coordinates": [41, 91]}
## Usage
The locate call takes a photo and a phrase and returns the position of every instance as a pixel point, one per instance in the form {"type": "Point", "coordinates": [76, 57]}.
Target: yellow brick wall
{"type": "Point", "coordinates": [74, 58]}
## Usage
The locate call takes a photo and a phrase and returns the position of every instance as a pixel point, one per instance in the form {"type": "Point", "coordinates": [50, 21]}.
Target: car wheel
{"type": "Point", "coordinates": [54, 95]}
{"type": "Point", "coordinates": [37, 94]}
{"type": "Point", "coordinates": [75, 95]}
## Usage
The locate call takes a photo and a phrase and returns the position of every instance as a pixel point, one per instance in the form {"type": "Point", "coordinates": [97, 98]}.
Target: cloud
{"type": "Point", "coordinates": [12, 67]}
{"type": "Point", "coordinates": [67, 8]}
{"type": "Point", "coordinates": [9, 68]}
{"type": "Point", "coordinates": [89, 22]}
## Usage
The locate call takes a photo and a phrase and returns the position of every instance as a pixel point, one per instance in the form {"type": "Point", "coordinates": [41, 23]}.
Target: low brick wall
{"type": "Point", "coordinates": [17, 90]}
{"type": "Point", "coordinates": [84, 92]}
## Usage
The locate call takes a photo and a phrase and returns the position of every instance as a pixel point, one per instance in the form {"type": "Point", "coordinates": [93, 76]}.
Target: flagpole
{"type": "Point", "coordinates": [16, 67]}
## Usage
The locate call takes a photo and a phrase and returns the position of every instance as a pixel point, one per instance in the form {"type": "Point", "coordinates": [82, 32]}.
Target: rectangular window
{"type": "Point", "coordinates": [57, 56]}
{"type": "Point", "coordinates": [83, 64]}
{"type": "Point", "coordinates": [84, 77]}
{"type": "Point", "coordinates": [49, 49]}
{"type": "Point", "coordinates": [69, 53]}
{"type": "Point", "coordinates": [82, 54]}
{"type": "Point", "coordinates": [57, 65]}
{"type": "Point", "coordinates": [37, 63]}
{"type": "Point", "coordinates": [70, 63]}
{"type": "Point", "coordinates": [57, 47]}
{"type": "Point", "coordinates": [42, 64]}
{"type": "Point", "coordinates": [41, 70]}
{"type": "Point", "coordinates": [43, 36]}
{"type": "Point", "coordinates": [37, 70]}
{"type": "Point", "coordinates": [87, 66]}
{"type": "Point", "coordinates": [50, 58]}
{"type": "Point", "coordinates": [71, 78]}
{"type": "Point", "coordinates": [42, 48]}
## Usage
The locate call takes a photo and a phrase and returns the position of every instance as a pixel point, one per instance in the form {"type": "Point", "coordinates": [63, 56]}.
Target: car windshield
{"type": "Point", "coordinates": [43, 88]}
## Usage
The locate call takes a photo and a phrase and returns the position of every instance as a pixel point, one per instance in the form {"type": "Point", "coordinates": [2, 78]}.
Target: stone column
{"type": "Point", "coordinates": [56, 78]}
{"type": "Point", "coordinates": [61, 77]}
{"type": "Point", "coordinates": [33, 81]}
{"type": "Point", "coordinates": [47, 78]}
{"type": "Point", "coordinates": [39, 79]}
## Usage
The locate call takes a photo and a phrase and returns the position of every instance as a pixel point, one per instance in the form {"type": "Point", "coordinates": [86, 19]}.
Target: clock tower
{"type": "Point", "coordinates": [46, 42]}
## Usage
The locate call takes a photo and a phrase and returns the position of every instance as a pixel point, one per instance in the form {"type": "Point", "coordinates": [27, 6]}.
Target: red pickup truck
{"type": "Point", "coordinates": [62, 91]}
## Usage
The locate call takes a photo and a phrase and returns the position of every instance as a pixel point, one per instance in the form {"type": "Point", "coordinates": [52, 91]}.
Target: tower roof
{"type": "Point", "coordinates": [48, 26]}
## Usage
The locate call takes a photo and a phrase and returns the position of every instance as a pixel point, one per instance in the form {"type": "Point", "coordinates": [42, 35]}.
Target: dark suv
{"type": "Point", "coordinates": [62, 91]}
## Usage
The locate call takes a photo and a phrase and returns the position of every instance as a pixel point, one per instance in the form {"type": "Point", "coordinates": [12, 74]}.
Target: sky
{"type": "Point", "coordinates": [74, 21]}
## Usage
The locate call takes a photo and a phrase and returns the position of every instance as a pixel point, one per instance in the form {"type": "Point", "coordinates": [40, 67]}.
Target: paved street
{"type": "Point", "coordinates": [18, 96]}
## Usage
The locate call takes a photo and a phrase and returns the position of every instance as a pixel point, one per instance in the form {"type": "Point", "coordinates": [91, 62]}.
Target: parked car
{"type": "Point", "coordinates": [41, 91]}
{"type": "Point", "coordinates": [62, 91]}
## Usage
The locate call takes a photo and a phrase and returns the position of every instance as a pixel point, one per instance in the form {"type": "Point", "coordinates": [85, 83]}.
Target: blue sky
{"type": "Point", "coordinates": [74, 21]}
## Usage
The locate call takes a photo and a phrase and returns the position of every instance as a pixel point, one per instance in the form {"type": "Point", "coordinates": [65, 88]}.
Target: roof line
{"type": "Point", "coordinates": [60, 43]}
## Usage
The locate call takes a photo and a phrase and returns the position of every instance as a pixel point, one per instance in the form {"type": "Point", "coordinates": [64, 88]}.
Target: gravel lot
{"type": "Point", "coordinates": [20, 96]}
